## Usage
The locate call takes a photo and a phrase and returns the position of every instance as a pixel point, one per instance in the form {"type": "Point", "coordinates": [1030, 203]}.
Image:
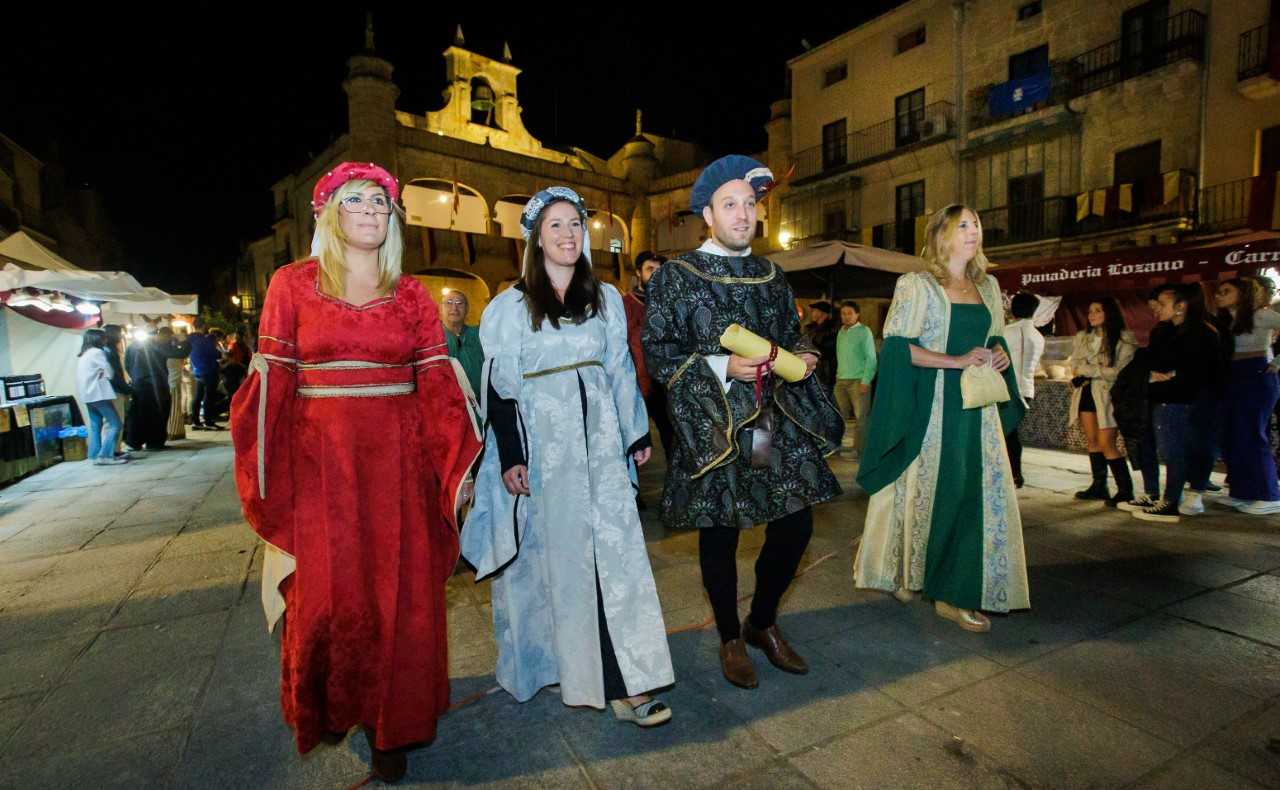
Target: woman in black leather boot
{"type": "Point", "coordinates": [1097, 356]}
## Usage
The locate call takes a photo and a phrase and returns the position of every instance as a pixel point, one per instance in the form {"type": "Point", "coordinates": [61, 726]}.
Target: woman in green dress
{"type": "Point", "coordinates": [957, 537]}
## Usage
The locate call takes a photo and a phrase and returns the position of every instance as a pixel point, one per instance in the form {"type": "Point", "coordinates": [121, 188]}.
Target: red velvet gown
{"type": "Point", "coordinates": [352, 438]}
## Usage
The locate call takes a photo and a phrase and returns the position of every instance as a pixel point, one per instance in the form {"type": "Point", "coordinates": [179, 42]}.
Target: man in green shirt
{"type": "Point", "coordinates": [463, 340]}
{"type": "Point", "coordinates": [855, 368]}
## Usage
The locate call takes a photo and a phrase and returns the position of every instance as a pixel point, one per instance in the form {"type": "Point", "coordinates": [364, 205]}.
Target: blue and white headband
{"type": "Point", "coordinates": [533, 209]}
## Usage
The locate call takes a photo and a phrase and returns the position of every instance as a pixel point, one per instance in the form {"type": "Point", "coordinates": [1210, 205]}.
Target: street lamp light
{"type": "Point", "coordinates": [235, 300]}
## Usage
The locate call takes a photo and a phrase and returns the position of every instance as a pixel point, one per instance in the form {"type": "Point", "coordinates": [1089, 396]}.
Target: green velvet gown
{"type": "Point", "coordinates": [953, 563]}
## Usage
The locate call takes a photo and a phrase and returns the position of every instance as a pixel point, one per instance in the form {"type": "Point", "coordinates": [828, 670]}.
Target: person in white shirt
{"type": "Point", "coordinates": [1252, 391]}
{"type": "Point", "coordinates": [1026, 346]}
{"type": "Point", "coordinates": [93, 383]}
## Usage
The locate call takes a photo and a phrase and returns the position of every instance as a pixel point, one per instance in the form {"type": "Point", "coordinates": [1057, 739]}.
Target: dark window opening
{"type": "Point", "coordinates": [835, 140]}
{"type": "Point", "coordinates": [1026, 207]}
{"type": "Point", "coordinates": [1143, 35]}
{"type": "Point", "coordinates": [1026, 64]}
{"type": "Point", "coordinates": [908, 111]}
{"type": "Point", "coordinates": [835, 74]}
{"type": "Point", "coordinates": [833, 220]}
{"type": "Point", "coordinates": [909, 204]}
{"type": "Point", "coordinates": [911, 40]}
{"type": "Point", "coordinates": [1269, 153]}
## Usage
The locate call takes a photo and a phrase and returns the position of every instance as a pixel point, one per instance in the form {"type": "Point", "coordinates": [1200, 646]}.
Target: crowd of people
{"type": "Point", "coordinates": [155, 383]}
{"type": "Point", "coordinates": [376, 426]}
{"type": "Point", "coordinates": [1203, 390]}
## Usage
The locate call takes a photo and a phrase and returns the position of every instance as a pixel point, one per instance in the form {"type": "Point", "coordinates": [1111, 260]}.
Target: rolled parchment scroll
{"type": "Point", "coordinates": [746, 343]}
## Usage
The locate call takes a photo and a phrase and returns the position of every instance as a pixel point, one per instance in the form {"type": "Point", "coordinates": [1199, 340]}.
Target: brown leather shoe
{"type": "Point", "coordinates": [736, 664]}
{"type": "Point", "coordinates": [775, 647]}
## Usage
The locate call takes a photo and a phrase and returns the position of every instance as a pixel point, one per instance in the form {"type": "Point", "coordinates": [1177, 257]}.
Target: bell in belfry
{"type": "Point", "coordinates": [482, 104]}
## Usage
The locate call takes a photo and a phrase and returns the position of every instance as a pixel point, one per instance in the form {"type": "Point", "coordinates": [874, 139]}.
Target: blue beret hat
{"type": "Point", "coordinates": [733, 167]}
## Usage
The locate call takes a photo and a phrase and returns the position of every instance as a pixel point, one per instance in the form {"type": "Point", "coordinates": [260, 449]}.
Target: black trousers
{"type": "Point", "coordinates": [656, 405]}
{"type": "Point", "coordinates": [1013, 443]}
{"type": "Point", "coordinates": [785, 540]}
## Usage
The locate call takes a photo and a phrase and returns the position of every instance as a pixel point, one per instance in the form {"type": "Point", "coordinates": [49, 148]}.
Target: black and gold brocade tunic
{"type": "Point", "coordinates": [710, 480]}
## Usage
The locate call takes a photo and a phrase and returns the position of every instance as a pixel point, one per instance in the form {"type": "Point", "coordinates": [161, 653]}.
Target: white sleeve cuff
{"type": "Point", "coordinates": [720, 365]}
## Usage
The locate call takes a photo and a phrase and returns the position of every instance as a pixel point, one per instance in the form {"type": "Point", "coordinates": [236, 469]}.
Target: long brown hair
{"type": "Point", "coordinates": [1246, 298]}
{"type": "Point", "coordinates": [1113, 325]}
{"type": "Point", "coordinates": [582, 297]}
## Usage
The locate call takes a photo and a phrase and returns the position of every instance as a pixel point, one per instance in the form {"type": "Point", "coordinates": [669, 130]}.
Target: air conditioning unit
{"type": "Point", "coordinates": [938, 124]}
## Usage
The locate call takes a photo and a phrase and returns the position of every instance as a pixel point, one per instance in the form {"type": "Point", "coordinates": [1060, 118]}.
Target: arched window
{"type": "Point", "coordinates": [682, 231]}
{"type": "Point", "coordinates": [506, 213]}
{"type": "Point", "coordinates": [435, 203]}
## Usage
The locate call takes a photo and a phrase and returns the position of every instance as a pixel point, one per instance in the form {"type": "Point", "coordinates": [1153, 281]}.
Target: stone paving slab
{"type": "Point", "coordinates": [903, 752]}
{"type": "Point", "coordinates": [1045, 738]}
{"type": "Point", "coordinates": [134, 653]}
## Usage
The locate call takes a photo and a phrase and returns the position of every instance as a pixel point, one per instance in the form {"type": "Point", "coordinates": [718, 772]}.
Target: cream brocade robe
{"type": "Point", "coordinates": [891, 554]}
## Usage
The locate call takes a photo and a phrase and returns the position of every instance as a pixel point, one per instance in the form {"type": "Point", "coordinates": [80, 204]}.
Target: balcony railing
{"type": "Point", "coordinates": [1167, 196]}
{"type": "Point", "coordinates": [1049, 218]}
{"type": "Point", "coordinates": [1253, 59]}
{"type": "Point", "coordinates": [936, 121]}
{"type": "Point", "coordinates": [1227, 206]}
{"type": "Point", "coordinates": [1061, 88]}
{"type": "Point", "coordinates": [1182, 37]}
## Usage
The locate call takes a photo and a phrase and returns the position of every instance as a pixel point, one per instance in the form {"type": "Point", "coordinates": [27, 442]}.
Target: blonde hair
{"type": "Point", "coordinates": [332, 243]}
{"type": "Point", "coordinates": [937, 245]}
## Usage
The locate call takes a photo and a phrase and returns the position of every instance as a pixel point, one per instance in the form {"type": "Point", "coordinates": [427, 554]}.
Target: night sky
{"type": "Point", "coordinates": [183, 116]}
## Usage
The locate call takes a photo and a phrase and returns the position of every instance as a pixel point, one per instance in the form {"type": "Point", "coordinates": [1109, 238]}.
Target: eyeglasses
{"type": "Point", "coordinates": [377, 204]}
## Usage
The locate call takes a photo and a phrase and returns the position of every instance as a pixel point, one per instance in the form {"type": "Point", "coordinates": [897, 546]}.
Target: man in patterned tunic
{"type": "Point", "coordinates": [748, 449]}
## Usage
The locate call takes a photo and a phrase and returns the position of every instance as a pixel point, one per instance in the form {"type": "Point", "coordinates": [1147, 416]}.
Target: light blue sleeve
{"type": "Point", "coordinates": [502, 328]}
{"type": "Point", "coordinates": [633, 418]}
{"type": "Point", "coordinates": [494, 528]}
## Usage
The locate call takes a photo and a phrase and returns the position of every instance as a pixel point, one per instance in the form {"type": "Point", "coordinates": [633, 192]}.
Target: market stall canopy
{"type": "Point", "coordinates": [96, 286]}
{"type": "Point", "coordinates": [1141, 268]}
{"type": "Point", "coordinates": [29, 253]}
{"type": "Point", "coordinates": [152, 301]}
{"type": "Point", "coordinates": [839, 269]}
{"type": "Point", "coordinates": [29, 264]}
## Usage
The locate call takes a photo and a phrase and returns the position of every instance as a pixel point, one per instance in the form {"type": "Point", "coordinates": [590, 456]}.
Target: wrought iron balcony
{"type": "Point", "coordinates": [1182, 37]}
{"type": "Point", "coordinates": [933, 122]}
{"type": "Point", "coordinates": [1164, 197]}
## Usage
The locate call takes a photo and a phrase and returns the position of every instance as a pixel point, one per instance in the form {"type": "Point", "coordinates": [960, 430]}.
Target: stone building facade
{"type": "Point", "coordinates": [466, 171]}
{"type": "Point", "coordinates": [37, 198]}
{"type": "Point", "coordinates": [1073, 127]}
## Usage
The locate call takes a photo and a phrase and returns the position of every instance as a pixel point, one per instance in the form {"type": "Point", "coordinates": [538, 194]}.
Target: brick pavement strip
{"type": "Point", "coordinates": [133, 654]}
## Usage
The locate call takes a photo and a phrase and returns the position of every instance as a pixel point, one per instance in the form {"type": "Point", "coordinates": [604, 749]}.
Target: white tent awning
{"type": "Point", "coordinates": [29, 264]}
{"type": "Point", "coordinates": [30, 253]}
{"type": "Point", "coordinates": [159, 303]}
{"type": "Point", "coordinates": [830, 253]}
{"type": "Point", "coordinates": [98, 286]}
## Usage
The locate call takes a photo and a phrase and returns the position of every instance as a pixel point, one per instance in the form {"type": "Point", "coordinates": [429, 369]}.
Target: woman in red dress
{"type": "Point", "coordinates": [353, 440]}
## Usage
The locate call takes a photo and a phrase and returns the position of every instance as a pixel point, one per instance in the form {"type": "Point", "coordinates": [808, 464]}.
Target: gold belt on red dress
{"type": "Point", "coordinates": [332, 379]}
